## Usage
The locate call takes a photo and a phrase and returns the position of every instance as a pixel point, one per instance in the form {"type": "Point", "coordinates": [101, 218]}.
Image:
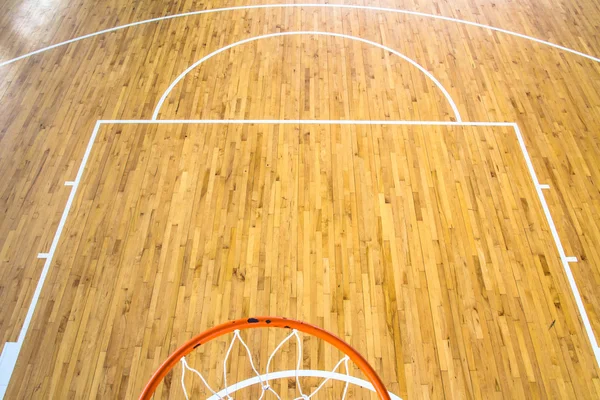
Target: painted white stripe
{"type": "Point", "coordinates": [43, 255]}
{"type": "Point", "coordinates": [12, 349]}
{"type": "Point", "coordinates": [543, 186]}
{"type": "Point", "coordinates": [8, 359]}
{"type": "Point", "coordinates": [69, 183]}
{"type": "Point", "coordinates": [371, 8]}
{"type": "Point", "coordinates": [564, 259]}
{"type": "Point", "coordinates": [292, 374]}
{"type": "Point", "coordinates": [301, 121]}
{"type": "Point", "coordinates": [318, 33]}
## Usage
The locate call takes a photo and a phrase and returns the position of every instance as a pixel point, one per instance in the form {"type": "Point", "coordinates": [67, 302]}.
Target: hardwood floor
{"type": "Point", "coordinates": [51, 102]}
{"type": "Point", "coordinates": [424, 247]}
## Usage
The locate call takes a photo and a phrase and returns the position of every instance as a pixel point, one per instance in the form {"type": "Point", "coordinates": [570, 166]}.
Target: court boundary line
{"type": "Point", "coordinates": [305, 5]}
{"type": "Point", "coordinates": [315, 33]}
{"type": "Point", "coordinates": [11, 350]}
{"type": "Point", "coordinates": [312, 373]}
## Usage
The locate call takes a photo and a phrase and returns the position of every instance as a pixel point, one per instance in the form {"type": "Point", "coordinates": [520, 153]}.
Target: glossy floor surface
{"type": "Point", "coordinates": [453, 257]}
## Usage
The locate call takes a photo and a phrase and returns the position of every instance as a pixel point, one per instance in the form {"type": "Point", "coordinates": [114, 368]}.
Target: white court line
{"type": "Point", "coordinates": [318, 33]}
{"type": "Point", "coordinates": [346, 6]}
{"type": "Point", "coordinates": [564, 259]}
{"type": "Point", "coordinates": [545, 187]}
{"type": "Point", "coordinates": [9, 355]}
{"type": "Point", "coordinates": [301, 121]}
{"type": "Point", "coordinates": [8, 358]}
{"type": "Point", "coordinates": [69, 183]}
{"type": "Point", "coordinates": [293, 373]}
{"type": "Point", "coordinates": [59, 229]}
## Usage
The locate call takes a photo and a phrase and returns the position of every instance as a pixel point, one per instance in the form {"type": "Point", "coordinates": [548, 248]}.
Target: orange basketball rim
{"type": "Point", "coordinates": [263, 322]}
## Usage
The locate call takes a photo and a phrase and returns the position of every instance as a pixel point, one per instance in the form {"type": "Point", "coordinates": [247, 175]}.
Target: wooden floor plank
{"type": "Point", "coordinates": [424, 247]}
{"type": "Point", "coordinates": [52, 100]}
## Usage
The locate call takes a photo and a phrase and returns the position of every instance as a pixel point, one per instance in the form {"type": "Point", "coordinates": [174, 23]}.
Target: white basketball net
{"type": "Point", "coordinates": [264, 379]}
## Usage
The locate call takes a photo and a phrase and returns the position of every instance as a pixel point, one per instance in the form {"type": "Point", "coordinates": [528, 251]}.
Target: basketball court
{"type": "Point", "coordinates": [420, 181]}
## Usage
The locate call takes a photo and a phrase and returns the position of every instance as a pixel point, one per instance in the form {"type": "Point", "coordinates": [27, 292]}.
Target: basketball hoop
{"type": "Point", "coordinates": [270, 322]}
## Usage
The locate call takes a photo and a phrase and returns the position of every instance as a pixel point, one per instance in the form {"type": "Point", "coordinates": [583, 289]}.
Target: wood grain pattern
{"type": "Point", "coordinates": [425, 247]}
{"type": "Point", "coordinates": [51, 101]}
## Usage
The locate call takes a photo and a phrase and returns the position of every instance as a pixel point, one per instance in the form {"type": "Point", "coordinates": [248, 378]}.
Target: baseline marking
{"type": "Point", "coordinates": [293, 373]}
{"type": "Point", "coordinates": [8, 358]}
{"type": "Point", "coordinates": [347, 6]}
{"type": "Point", "coordinates": [317, 33]}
